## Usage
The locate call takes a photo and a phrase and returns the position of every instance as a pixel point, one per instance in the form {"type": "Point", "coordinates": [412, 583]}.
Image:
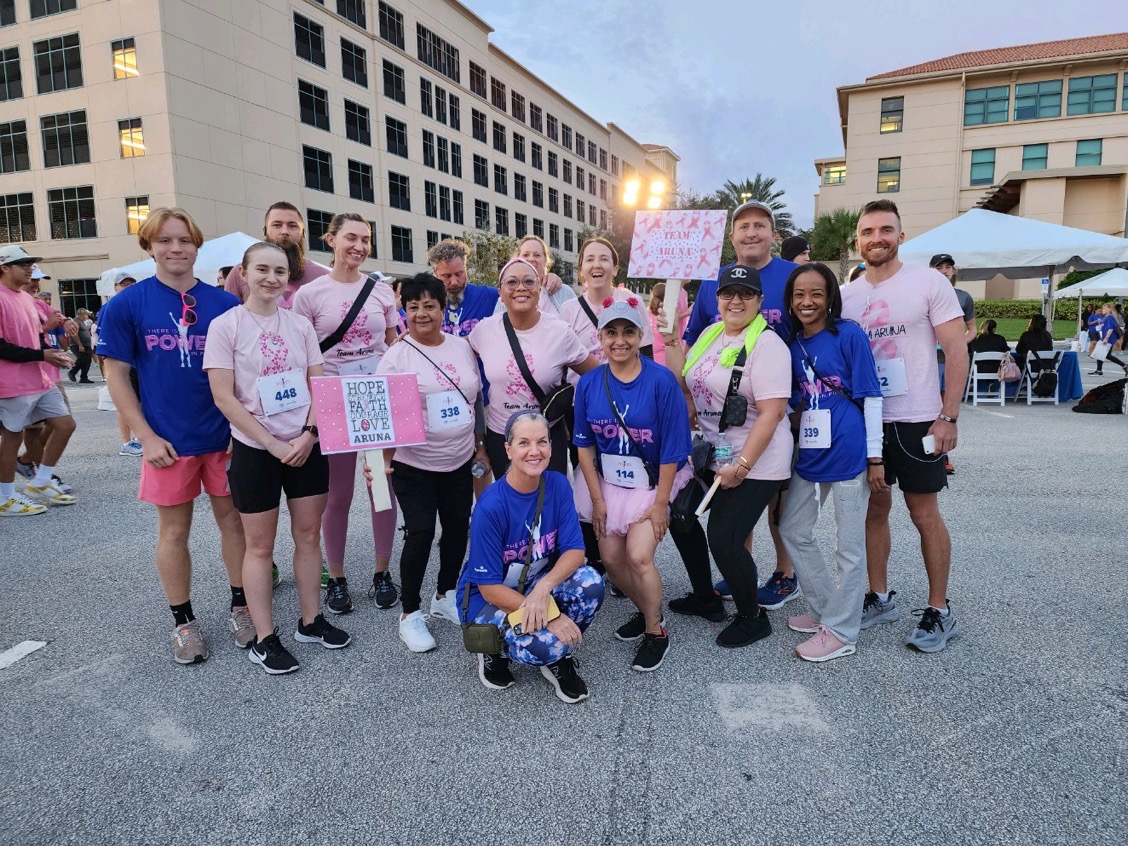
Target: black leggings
{"type": "Point", "coordinates": [591, 543]}
{"type": "Point", "coordinates": [499, 461]}
{"type": "Point", "coordinates": [422, 494]}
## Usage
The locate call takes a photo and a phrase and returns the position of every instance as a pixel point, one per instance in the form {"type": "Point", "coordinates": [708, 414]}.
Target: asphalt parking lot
{"type": "Point", "coordinates": [1014, 735]}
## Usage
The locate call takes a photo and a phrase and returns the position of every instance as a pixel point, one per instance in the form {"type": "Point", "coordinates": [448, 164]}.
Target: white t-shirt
{"type": "Point", "coordinates": [325, 302]}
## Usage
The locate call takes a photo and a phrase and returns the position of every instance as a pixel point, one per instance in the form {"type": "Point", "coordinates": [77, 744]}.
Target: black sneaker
{"type": "Point", "coordinates": [614, 588]}
{"type": "Point", "coordinates": [745, 630]}
{"type": "Point", "coordinates": [383, 590]}
{"type": "Point", "coordinates": [653, 650]}
{"type": "Point", "coordinates": [634, 628]}
{"type": "Point", "coordinates": [494, 672]}
{"type": "Point", "coordinates": [323, 632]}
{"type": "Point", "coordinates": [692, 605]}
{"type": "Point", "coordinates": [562, 676]}
{"type": "Point", "coordinates": [337, 598]}
{"type": "Point", "coordinates": [272, 656]}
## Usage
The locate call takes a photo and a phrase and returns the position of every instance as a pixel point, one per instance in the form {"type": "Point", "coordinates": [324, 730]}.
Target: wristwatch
{"type": "Point", "coordinates": [311, 429]}
{"type": "Point", "coordinates": [947, 419]}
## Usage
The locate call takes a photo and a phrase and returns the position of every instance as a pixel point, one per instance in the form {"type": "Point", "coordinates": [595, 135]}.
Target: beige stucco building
{"type": "Point", "coordinates": [1039, 131]}
{"type": "Point", "coordinates": [402, 111]}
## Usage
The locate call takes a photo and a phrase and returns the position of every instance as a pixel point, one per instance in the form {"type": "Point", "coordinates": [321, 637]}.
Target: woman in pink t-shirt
{"type": "Point", "coordinates": [259, 359]}
{"type": "Point", "coordinates": [549, 348]}
{"type": "Point", "coordinates": [751, 439]}
{"type": "Point", "coordinates": [326, 302]}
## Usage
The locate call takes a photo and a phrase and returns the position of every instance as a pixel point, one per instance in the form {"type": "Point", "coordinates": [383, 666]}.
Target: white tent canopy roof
{"type": "Point", "coordinates": [1112, 282]}
{"type": "Point", "coordinates": [224, 251]}
{"type": "Point", "coordinates": [984, 243]}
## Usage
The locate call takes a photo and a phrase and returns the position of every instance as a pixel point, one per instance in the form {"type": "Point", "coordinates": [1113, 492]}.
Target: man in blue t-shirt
{"type": "Point", "coordinates": [159, 326]}
{"type": "Point", "coordinates": [752, 236]}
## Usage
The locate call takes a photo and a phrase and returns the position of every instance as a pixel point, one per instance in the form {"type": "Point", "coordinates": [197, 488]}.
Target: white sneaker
{"type": "Point", "coordinates": [414, 632]}
{"type": "Point", "coordinates": [445, 608]}
{"type": "Point", "coordinates": [132, 448]}
{"type": "Point", "coordinates": [51, 493]}
{"type": "Point", "coordinates": [19, 506]}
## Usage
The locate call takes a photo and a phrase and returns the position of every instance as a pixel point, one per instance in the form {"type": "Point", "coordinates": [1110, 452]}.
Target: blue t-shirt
{"type": "Point", "coordinates": [652, 406]}
{"type": "Point", "coordinates": [845, 360]}
{"type": "Point", "coordinates": [1109, 324]}
{"type": "Point", "coordinates": [773, 279]}
{"type": "Point", "coordinates": [141, 325]}
{"type": "Point", "coordinates": [478, 302]}
{"type": "Point", "coordinates": [499, 534]}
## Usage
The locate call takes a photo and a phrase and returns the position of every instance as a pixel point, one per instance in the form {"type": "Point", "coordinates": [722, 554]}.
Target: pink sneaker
{"type": "Point", "coordinates": [824, 646]}
{"type": "Point", "coordinates": [803, 623]}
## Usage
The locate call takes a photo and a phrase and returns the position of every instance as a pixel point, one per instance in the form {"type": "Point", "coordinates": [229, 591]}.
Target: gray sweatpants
{"type": "Point", "coordinates": [835, 602]}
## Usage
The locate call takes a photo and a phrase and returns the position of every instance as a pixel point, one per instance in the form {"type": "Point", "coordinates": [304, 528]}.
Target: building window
{"type": "Point", "coordinates": [443, 147]}
{"type": "Point", "coordinates": [65, 139]}
{"type": "Point", "coordinates": [1091, 94]}
{"type": "Point", "coordinates": [426, 95]}
{"type": "Point", "coordinates": [603, 220]}
{"type": "Point", "coordinates": [520, 192]}
{"type": "Point", "coordinates": [354, 63]}
{"type": "Point", "coordinates": [537, 159]}
{"type": "Point", "coordinates": [437, 53]}
{"type": "Point", "coordinates": [7, 12]}
{"type": "Point", "coordinates": [579, 145]}
{"type": "Point", "coordinates": [317, 224]}
{"type": "Point", "coordinates": [983, 167]}
{"type": "Point", "coordinates": [538, 227]}
{"type": "Point", "coordinates": [580, 178]}
{"type": "Point", "coordinates": [357, 126]}
{"type": "Point", "coordinates": [501, 183]}
{"type": "Point", "coordinates": [440, 104]}
{"type": "Point", "coordinates": [456, 160]}
{"type": "Point", "coordinates": [501, 221]}
{"type": "Point", "coordinates": [395, 88]}
{"type": "Point", "coordinates": [536, 117]}
{"type": "Point", "coordinates": [14, 155]}
{"type": "Point", "coordinates": [397, 136]}
{"type": "Point", "coordinates": [1089, 152]}
{"type": "Point", "coordinates": [43, 8]}
{"type": "Point", "coordinates": [1037, 100]}
{"type": "Point", "coordinates": [888, 175]}
{"type": "Point", "coordinates": [459, 209]}
{"type": "Point", "coordinates": [554, 201]}
{"type": "Point", "coordinates": [834, 175]}
{"type": "Point", "coordinates": [131, 139]}
{"type": "Point", "coordinates": [310, 40]}
{"type": "Point", "coordinates": [313, 105]}
{"type": "Point", "coordinates": [71, 212]}
{"type": "Point", "coordinates": [399, 191]}
{"type": "Point", "coordinates": [360, 182]}
{"type": "Point", "coordinates": [481, 171]}
{"type": "Point", "coordinates": [603, 190]}
{"type": "Point", "coordinates": [591, 184]}
{"type": "Point", "coordinates": [614, 165]}
{"type": "Point", "coordinates": [58, 64]}
{"type": "Point", "coordinates": [1034, 156]}
{"type": "Point", "coordinates": [455, 108]}
{"type": "Point", "coordinates": [136, 210]}
{"type": "Point", "coordinates": [444, 203]}
{"type": "Point", "coordinates": [125, 58]}
{"type": "Point", "coordinates": [591, 150]}
{"type": "Point", "coordinates": [591, 216]}
{"type": "Point", "coordinates": [518, 147]}
{"type": "Point", "coordinates": [478, 80]}
{"type": "Point", "coordinates": [428, 148]}
{"type": "Point", "coordinates": [391, 24]}
{"type": "Point", "coordinates": [11, 80]}
{"type": "Point", "coordinates": [986, 105]}
{"type": "Point", "coordinates": [432, 238]}
{"type": "Point", "coordinates": [567, 170]}
{"type": "Point", "coordinates": [78, 293]}
{"type": "Point", "coordinates": [520, 225]}
{"type": "Point", "coordinates": [553, 130]}
{"type": "Point", "coordinates": [567, 205]}
{"type": "Point", "coordinates": [566, 135]}
{"type": "Point", "coordinates": [497, 93]}
{"type": "Point", "coordinates": [481, 214]}
{"type": "Point", "coordinates": [569, 242]}
{"type": "Point", "coordinates": [892, 114]}
{"type": "Point", "coordinates": [498, 137]}
{"type": "Point", "coordinates": [478, 125]}
{"type": "Point", "coordinates": [554, 236]}
{"type": "Point", "coordinates": [17, 219]}
{"type": "Point", "coordinates": [1123, 104]}
{"type": "Point", "coordinates": [581, 209]}
{"type": "Point", "coordinates": [602, 159]}
{"type": "Point", "coordinates": [517, 106]}
{"type": "Point", "coordinates": [430, 199]}
{"type": "Point", "coordinates": [318, 166]}
{"type": "Point", "coordinates": [553, 164]}
{"type": "Point", "coordinates": [353, 10]}
{"type": "Point", "coordinates": [401, 245]}
{"type": "Point", "coordinates": [538, 194]}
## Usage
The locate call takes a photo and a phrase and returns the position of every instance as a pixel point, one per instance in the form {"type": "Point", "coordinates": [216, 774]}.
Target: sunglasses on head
{"type": "Point", "coordinates": [188, 315]}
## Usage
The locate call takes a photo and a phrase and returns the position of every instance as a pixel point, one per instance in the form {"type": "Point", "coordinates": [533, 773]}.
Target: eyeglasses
{"type": "Point", "coordinates": [188, 316]}
{"type": "Point", "coordinates": [514, 284]}
{"type": "Point", "coordinates": [742, 294]}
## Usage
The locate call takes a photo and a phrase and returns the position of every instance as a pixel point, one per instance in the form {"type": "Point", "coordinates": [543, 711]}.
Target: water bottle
{"type": "Point", "coordinates": [722, 451]}
{"type": "Point", "coordinates": [478, 469]}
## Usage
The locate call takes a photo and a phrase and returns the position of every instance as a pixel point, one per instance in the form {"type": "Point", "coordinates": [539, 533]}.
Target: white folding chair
{"type": "Point", "coordinates": [990, 374]}
{"type": "Point", "coordinates": [1035, 366]}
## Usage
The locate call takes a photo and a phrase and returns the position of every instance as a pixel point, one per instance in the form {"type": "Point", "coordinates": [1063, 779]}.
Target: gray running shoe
{"type": "Point", "coordinates": [241, 625]}
{"type": "Point", "coordinates": [188, 645]}
{"type": "Point", "coordinates": [875, 612]}
{"type": "Point", "coordinates": [933, 631]}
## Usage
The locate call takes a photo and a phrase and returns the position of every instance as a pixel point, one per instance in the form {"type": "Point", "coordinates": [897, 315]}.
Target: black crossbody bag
{"type": "Point", "coordinates": [337, 334]}
{"type": "Point", "coordinates": [557, 404]}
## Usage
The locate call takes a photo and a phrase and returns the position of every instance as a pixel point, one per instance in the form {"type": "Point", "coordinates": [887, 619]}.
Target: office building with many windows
{"type": "Point", "coordinates": [1039, 131]}
{"type": "Point", "coordinates": [402, 111]}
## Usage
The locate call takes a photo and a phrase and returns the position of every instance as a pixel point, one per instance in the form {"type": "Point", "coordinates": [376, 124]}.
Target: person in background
{"type": "Point", "coordinates": [988, 340]}
{"type": "Point", "coordinates": [396, 286]}
{"type": "Point", "coordinates": [553, 292]}
{"type": "Point", "coordinates": [284, 226]}
{"type": "Point", "coordinates": [1036, 337]}
{"type": "Point", "coordinates": [856, 272]}
{"type": "Point", "coordinates": [82, 348]}
{"type": "Point", "coordinates": [1111, 333]}
{"type": "Point", "coordinates": [796, 249]}
{"type": "Point", "coordinates": [221, 279]}
{"type": "Point", "coordinates": [944, 263]}
{"type": "Point", "coordinates": [1086, 314]}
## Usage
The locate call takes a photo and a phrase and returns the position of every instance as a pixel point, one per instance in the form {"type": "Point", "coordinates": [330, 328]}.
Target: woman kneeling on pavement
{"type": "Point", "coordinates": [435, 477]}
{"type": "Point", "coordinates": [838, 404]}
{"type": "Point", "coordinates": [632, 432]}
{"type": "Point", "coordinates": [526, 553]}
{"type": "Point", "coordinates": [259, 359]}
{"type": "Point", "coordinates": [737, 377]}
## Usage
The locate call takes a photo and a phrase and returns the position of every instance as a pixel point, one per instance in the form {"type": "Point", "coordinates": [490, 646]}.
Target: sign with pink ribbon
{"type": "Point", "coordinates": [682, 244]}
{"type": "Point", "coordinates": [356, 413]}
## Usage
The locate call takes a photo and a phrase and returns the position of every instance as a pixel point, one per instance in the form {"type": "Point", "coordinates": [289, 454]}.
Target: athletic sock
{"type": "Point", "coordinates": [883, 598]}
{"type": "Point", "coordinates": [43, 475]}
{"type": "Point", "coordinates": [944, 612]}
{"type": "Point", "coordinates": [7, 490]}
{"type": "Point", "coordinates": [182, 613]}
{"type": "Point", "coordinates": [238, 598]}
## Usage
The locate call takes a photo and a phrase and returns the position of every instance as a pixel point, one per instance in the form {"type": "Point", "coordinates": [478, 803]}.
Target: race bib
{"type": "Point", "coordinates": [283, 391]}
{"type": "Point", "coordinates": [891, 377]}
{"type": "Point", "coordinates": [359, 367]}
{"type": "Point", "coordinates": [625, 471]}
{"type": "Point", "coordinates": [447, 410]}
{"type": "Point", "coordinates": [814, 429]}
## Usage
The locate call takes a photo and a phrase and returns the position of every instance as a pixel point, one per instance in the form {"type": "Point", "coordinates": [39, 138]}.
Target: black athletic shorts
{"type": "Point", "coordinates": [906, 464]}
{"type": "Point", "coordinates": [257, 479]}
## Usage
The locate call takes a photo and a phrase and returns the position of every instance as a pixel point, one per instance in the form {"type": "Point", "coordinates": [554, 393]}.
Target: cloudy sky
{"type": "Point", "coordinates": [737, 87]}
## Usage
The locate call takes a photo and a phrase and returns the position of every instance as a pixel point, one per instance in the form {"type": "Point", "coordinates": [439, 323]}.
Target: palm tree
{"type": "Point", "coordinates": [761, 188]}
{"type": "Point", "coordinates": [832, 237]}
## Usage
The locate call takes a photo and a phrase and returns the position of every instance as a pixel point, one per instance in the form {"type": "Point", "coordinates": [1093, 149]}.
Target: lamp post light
{"type": "Point", "coordinates": [654, 200]}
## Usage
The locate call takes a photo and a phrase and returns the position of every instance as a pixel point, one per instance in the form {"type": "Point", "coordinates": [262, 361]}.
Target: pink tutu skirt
{"type": "Point", "coordinates": [625, 506]}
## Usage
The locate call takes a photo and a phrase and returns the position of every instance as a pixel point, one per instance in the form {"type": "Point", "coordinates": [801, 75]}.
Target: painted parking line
{"type": "Point", "coordinates": [20, 650]}
{"type": "Point", "coordinates": [771, 707]}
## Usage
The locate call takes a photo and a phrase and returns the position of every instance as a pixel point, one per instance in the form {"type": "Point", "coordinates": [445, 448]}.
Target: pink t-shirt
{"type": "Point", "coordinates": [899, 315]}
{"type": "Point", "coordinates": [254, 346]}
{"type": "Point", "coordinates": [550, 348]}
{"type": "Point", "coordinates": [55, 374]}
{"type": "Point", "coordinates": [237, 285]}
{"type": "Point", "coordinates": [446, 448]}
{"type": "Point", "coordinates": [21, 324]}
{"type": "Point", "coordinates": [572, 313]}
{"type": "Point", "coordinates": [767, 375]}
{"type": "Point", "coordinates": [325, 302]}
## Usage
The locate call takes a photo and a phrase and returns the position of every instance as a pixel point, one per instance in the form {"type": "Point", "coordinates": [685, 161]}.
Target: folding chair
{"type": "Point", "coordinates": [1035, 366]}
{"type": "Point", "coordinates": [990, 374]}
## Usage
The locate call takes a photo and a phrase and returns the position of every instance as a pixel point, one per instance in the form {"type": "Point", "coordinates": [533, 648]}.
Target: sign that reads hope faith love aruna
{"type": "Point", "coordinates": [683, 244]}
{"type": "Point", "coordinates": [357, 413]}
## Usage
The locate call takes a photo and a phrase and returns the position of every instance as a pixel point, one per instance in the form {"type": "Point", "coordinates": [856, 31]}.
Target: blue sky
{"type": "Point", "coordinates": [737, 87]}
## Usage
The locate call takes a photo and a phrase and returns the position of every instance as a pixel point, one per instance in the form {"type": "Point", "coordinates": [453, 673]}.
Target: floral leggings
{"type": "Point", "coordinates": [579, 597]}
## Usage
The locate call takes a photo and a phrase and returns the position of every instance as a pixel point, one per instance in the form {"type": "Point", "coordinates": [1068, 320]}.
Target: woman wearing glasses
{"type": "Point", "coordinates": [548, 348]}
{"type": "Point", "coordinates": [737, 378]}
{"type": "Point", "coordinates": [356, 350]}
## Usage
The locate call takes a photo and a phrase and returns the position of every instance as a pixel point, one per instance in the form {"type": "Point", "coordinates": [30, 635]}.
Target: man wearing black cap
{"type": "Point", "coordinates": [795, 249]}
{"type": "Point", "coordinates": [947, 266]}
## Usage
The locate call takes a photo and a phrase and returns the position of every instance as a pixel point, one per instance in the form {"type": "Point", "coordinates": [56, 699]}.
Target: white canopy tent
{"type": "Point", "coordinates": [227, 250]}
{"type": "Point", "coordinates": [1113, 282]}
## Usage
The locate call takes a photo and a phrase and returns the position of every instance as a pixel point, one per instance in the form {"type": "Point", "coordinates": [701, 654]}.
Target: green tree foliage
{"type": "Point", "coordinates": [488, 254]}
{"type": "Point", "coordinates": [762, 188]}
{"type": "Point", "coordinates": [832, 238]}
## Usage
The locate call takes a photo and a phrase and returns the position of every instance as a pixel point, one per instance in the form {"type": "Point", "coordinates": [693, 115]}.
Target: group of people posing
{"type": "Point", "coordinates": [796, 390]}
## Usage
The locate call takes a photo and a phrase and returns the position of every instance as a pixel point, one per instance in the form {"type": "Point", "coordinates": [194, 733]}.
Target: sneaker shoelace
{"type": "Point", "coordinates": [190, 635]}
{"type": "Point", "coordinates": [336, 591]}
{"type": "Point", "coordinates": [930, 619]}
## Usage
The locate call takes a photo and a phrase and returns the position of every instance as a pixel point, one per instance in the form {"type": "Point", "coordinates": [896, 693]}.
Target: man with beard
{"type": "Point", "coordinates": [466, 304]}
{"type": "Point", "coordinates": [284, 226]}
{"type": "Point", "coordinates": [906, 310]}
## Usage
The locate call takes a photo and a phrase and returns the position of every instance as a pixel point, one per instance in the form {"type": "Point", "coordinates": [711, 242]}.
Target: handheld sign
{"type": "Point", "coordinates": [357, 413]}
{"type": "Point", "coordinates": [682, 244]}
{"type": "Point", "coordinates": [670, 302]}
